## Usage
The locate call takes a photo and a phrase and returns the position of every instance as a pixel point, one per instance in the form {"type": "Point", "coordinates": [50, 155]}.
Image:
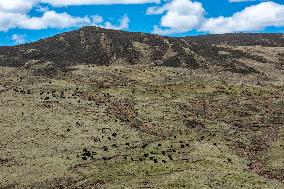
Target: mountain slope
{"type": "Point", "coordinates": [242, 39]}
{"type": "Point", "coordinates": [97, 46]}
{"type": "Point", "coordinates": [97, 108]}
{"type": "Point", "coordinates": [91, 45]}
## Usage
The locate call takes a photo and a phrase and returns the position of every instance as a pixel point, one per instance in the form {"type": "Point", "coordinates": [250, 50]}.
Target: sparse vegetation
{"type": "Point", "coordinates": [142, 126]}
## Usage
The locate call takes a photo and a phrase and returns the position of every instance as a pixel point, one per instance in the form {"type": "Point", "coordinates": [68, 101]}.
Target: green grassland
{"type": "Point", "coordinates": [140, 127]}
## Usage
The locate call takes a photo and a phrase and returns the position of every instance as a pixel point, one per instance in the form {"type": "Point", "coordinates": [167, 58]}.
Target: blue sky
{"type": "Point", "coordinates": [24, 21]}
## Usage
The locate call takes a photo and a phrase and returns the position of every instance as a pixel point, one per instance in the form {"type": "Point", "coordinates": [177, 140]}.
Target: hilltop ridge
{"type": "Point", "coordinates": [98, 46]}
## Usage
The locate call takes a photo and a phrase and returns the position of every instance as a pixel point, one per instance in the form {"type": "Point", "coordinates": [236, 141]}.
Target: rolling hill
{"type": "Point", "coordinates": [96, 108]}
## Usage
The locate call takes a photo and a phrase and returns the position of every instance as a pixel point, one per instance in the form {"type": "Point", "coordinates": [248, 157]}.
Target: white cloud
{"type": "Point", "coordinates": [18, 39]}
{"type": "Point", "coordinates": [52, 19]}
{"type": "Point", "coordinates": [20, 6]}
{"type": "Point", "coordinates": [157, 10]}
{"type": "Point", "coordinates": [10, 20]}
{"type": "Point", "coordinates": [180, 16]}
{"type": "Point", "coordinates": [97, 19]}
{"type": "Point", "coordinates": [95, 2]}
{"type": "Point", "coordinates": [16, 6]}
{"type": "Point", "coordinates": [15, 14]}
{"type": "Point", "coordinates": [253, 18]}
{"type": "Point", "coordinates": [123, 24]}
{"type": "Point", "coordinates": [49, 19]}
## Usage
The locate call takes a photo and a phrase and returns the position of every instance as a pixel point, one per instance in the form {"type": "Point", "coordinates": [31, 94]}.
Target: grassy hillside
{"type": "Point", "coordinates": [96, 108]}
{"type": "Point", "coordinates": [124, 126]}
